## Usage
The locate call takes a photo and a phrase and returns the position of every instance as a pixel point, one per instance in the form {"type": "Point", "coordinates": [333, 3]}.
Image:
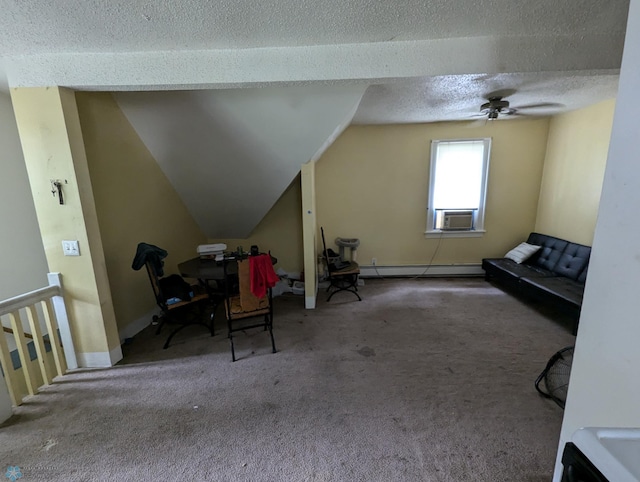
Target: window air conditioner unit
{"type": "Point", "coordinates": [457, 220]}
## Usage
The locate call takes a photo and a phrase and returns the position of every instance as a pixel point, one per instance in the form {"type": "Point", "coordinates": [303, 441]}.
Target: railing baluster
{"type": "Point", "coordinates": [38, 341]}
{"type": "Point", "coordinates": [7, 368]}
{"type": "Point", "coordinates": [23, 351]}
{"type": "Point", "coordinates": [55, 318]}
{"type": "Point", "coordinates": [54, 339]}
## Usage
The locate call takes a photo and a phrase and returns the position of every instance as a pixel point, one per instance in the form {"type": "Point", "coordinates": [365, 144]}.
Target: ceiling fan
{"type": "Point", "coordinates": [497, 106]}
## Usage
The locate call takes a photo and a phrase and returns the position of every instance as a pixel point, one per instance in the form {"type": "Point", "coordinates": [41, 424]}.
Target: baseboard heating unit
{"type": "Point", "coordinates": [462, 270]}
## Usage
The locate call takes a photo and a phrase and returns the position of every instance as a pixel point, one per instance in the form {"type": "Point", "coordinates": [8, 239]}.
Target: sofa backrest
{"type": "Point", "coordinates": [583, 276]}
{"type": "Point", "coordinates": [573, 262]}
{"type": "Point", "coordinates": [547, 257]}
{"type": "Point", "coordinates": [560, 256]}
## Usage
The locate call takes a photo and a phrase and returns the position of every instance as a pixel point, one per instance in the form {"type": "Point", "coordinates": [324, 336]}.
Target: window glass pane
{"type": "Point", "coordinates": [458, 175]}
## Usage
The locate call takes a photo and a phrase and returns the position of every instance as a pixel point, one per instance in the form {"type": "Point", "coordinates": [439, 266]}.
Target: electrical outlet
{"type": "Point", "coordinates": [374, 261]}
{"type": "Point", "coordinates": [70, 248]}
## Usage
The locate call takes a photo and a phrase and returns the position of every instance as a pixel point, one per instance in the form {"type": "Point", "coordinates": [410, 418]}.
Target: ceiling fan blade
{"type": "Point", "coordinates": [502, 93]}
{"type": "Point", "coordinates": [476, 123]}
{"type": "Point", "coordinates": [541, 105]}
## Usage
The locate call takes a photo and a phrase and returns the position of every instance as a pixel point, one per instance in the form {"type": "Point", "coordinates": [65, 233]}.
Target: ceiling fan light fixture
{"type": "Point", "coordinates": [495, 107]}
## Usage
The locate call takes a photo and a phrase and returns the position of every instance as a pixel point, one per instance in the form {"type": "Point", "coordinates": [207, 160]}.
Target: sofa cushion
{"type": "Point", "coordinates": [564, 289]}
{"type": "Point", "coordinates": [549, 255]}
{"type": "Point", "coordinates": [522, 252]}
{"type": "Point", "coordinates": [508, 267]}
{"type": "Point", "coordinates": [573, 261]}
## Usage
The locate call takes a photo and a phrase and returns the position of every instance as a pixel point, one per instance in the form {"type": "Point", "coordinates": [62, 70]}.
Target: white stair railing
{"type": "Point", "coordinates": [54, 315]}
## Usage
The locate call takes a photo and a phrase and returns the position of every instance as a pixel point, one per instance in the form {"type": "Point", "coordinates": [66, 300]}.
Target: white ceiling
{"type": "Point", "coordinates": [459, 97]}
{"type": "Point", "coordinates": [40, 26]}
{"type": "Point", "coordinates": [415, 61]}
{"type": "Point", "coordinates": [457, 48]}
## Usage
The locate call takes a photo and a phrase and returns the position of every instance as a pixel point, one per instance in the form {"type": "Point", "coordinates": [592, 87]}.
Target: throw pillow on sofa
{"type": "Point", "coordinates": [522, 252]}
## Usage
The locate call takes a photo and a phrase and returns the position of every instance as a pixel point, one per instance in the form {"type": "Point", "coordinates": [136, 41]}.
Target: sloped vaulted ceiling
{"type": "Point", "coordinates": [231, 153]}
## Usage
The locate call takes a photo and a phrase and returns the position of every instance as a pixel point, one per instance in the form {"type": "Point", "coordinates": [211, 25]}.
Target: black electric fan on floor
{"type": "Point", "coordinates": [556, 376]}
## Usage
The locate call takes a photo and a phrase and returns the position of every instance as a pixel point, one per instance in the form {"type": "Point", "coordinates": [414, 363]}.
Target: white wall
{"type": "Point", "coordinates": [604, 389]}
{"type": "Point", "coordinates": [23, 266]}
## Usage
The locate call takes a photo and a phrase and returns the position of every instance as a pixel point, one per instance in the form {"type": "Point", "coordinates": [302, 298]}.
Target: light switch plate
{"type": "Point", "coordinates": [70, 248]}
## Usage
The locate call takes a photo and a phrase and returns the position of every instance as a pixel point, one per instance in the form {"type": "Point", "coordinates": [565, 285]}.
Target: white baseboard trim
{"type": "Point", "coordinates": [421, 271]}
{"type": "Point", "coordinates": [138, 325]}
{"type": "Point", "coordinates": [310, 302]}
{"type": "Point", "coordinates": [100, 359]}
{"type": "Point", "coordinates": [116, 355]}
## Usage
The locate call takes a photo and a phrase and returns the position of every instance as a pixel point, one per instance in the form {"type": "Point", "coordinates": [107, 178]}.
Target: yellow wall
{"type": "Point", "coordinates": [280, 231]}
{"type": "Point", "coordinates": [372, 184]}
{"type": "Point", "coordinates": [573, 172]}
{"type": "Point", "coordinates": [53, 148]}
{"type": "Point", "coordinates": [135, 203]}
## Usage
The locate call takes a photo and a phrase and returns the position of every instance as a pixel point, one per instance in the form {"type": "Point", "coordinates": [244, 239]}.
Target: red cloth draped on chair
{"type": "Point", "coordinates": [262, 274]}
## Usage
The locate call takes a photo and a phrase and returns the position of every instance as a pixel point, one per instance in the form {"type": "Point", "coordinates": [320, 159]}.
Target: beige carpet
{"type": "Point", "coordinates": [424, 380]}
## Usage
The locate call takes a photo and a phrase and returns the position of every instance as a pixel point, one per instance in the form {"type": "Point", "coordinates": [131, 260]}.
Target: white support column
{"type": "Point", "coordinates": [55, 279]}
{"type": "Point", "coordinates": [307, 180]}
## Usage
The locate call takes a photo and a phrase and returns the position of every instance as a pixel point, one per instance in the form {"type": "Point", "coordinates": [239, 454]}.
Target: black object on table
{"type": "Point", "coordinates": [204, 269]}
{"type": "Point", "coordinates": [208, 269]}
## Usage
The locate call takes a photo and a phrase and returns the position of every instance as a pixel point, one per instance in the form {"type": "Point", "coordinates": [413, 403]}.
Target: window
{"type": "Point", "coordinates": [457, 187]}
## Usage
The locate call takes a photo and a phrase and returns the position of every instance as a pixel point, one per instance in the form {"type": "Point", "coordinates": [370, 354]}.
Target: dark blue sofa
{"type": "Point", "coordinates": [554, 276]}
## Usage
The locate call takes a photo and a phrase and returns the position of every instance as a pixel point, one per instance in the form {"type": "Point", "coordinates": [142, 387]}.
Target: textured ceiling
{"type": "Point", "coordinates": [415, 61]}
{"type": "Point", "coordinates": [423, 60]}
{"type": "Point", "coordinates": [459, 97]}
{"type": "Point", "coordinates": [37, 26]}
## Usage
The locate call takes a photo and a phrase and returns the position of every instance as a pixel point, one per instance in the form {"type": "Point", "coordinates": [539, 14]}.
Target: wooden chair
{"type": "Point", "coordinates": [190, 311]}
{"type": "Point", "coordinates": [341, 278]}
{"type": "Point", "coordinates": [241, 304]}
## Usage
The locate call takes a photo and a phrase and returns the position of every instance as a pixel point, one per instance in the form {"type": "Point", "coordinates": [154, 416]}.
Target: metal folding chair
{"type": "Point", "coordinates": [242, 305]}
{"type": "Point", "coordinates": [181, 304]}
{"type": "Point", "coordinates": [181, 313]}
{"type": "Point", "coordinates": [340, 278]}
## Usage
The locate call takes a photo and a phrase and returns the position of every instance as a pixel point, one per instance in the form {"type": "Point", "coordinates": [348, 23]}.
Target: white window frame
{"type": "Point", "coordinates": [478, 230]}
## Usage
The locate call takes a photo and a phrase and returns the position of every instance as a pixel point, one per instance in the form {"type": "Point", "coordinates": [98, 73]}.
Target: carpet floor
{"type": "Point", "coordinates": [423, 380]}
